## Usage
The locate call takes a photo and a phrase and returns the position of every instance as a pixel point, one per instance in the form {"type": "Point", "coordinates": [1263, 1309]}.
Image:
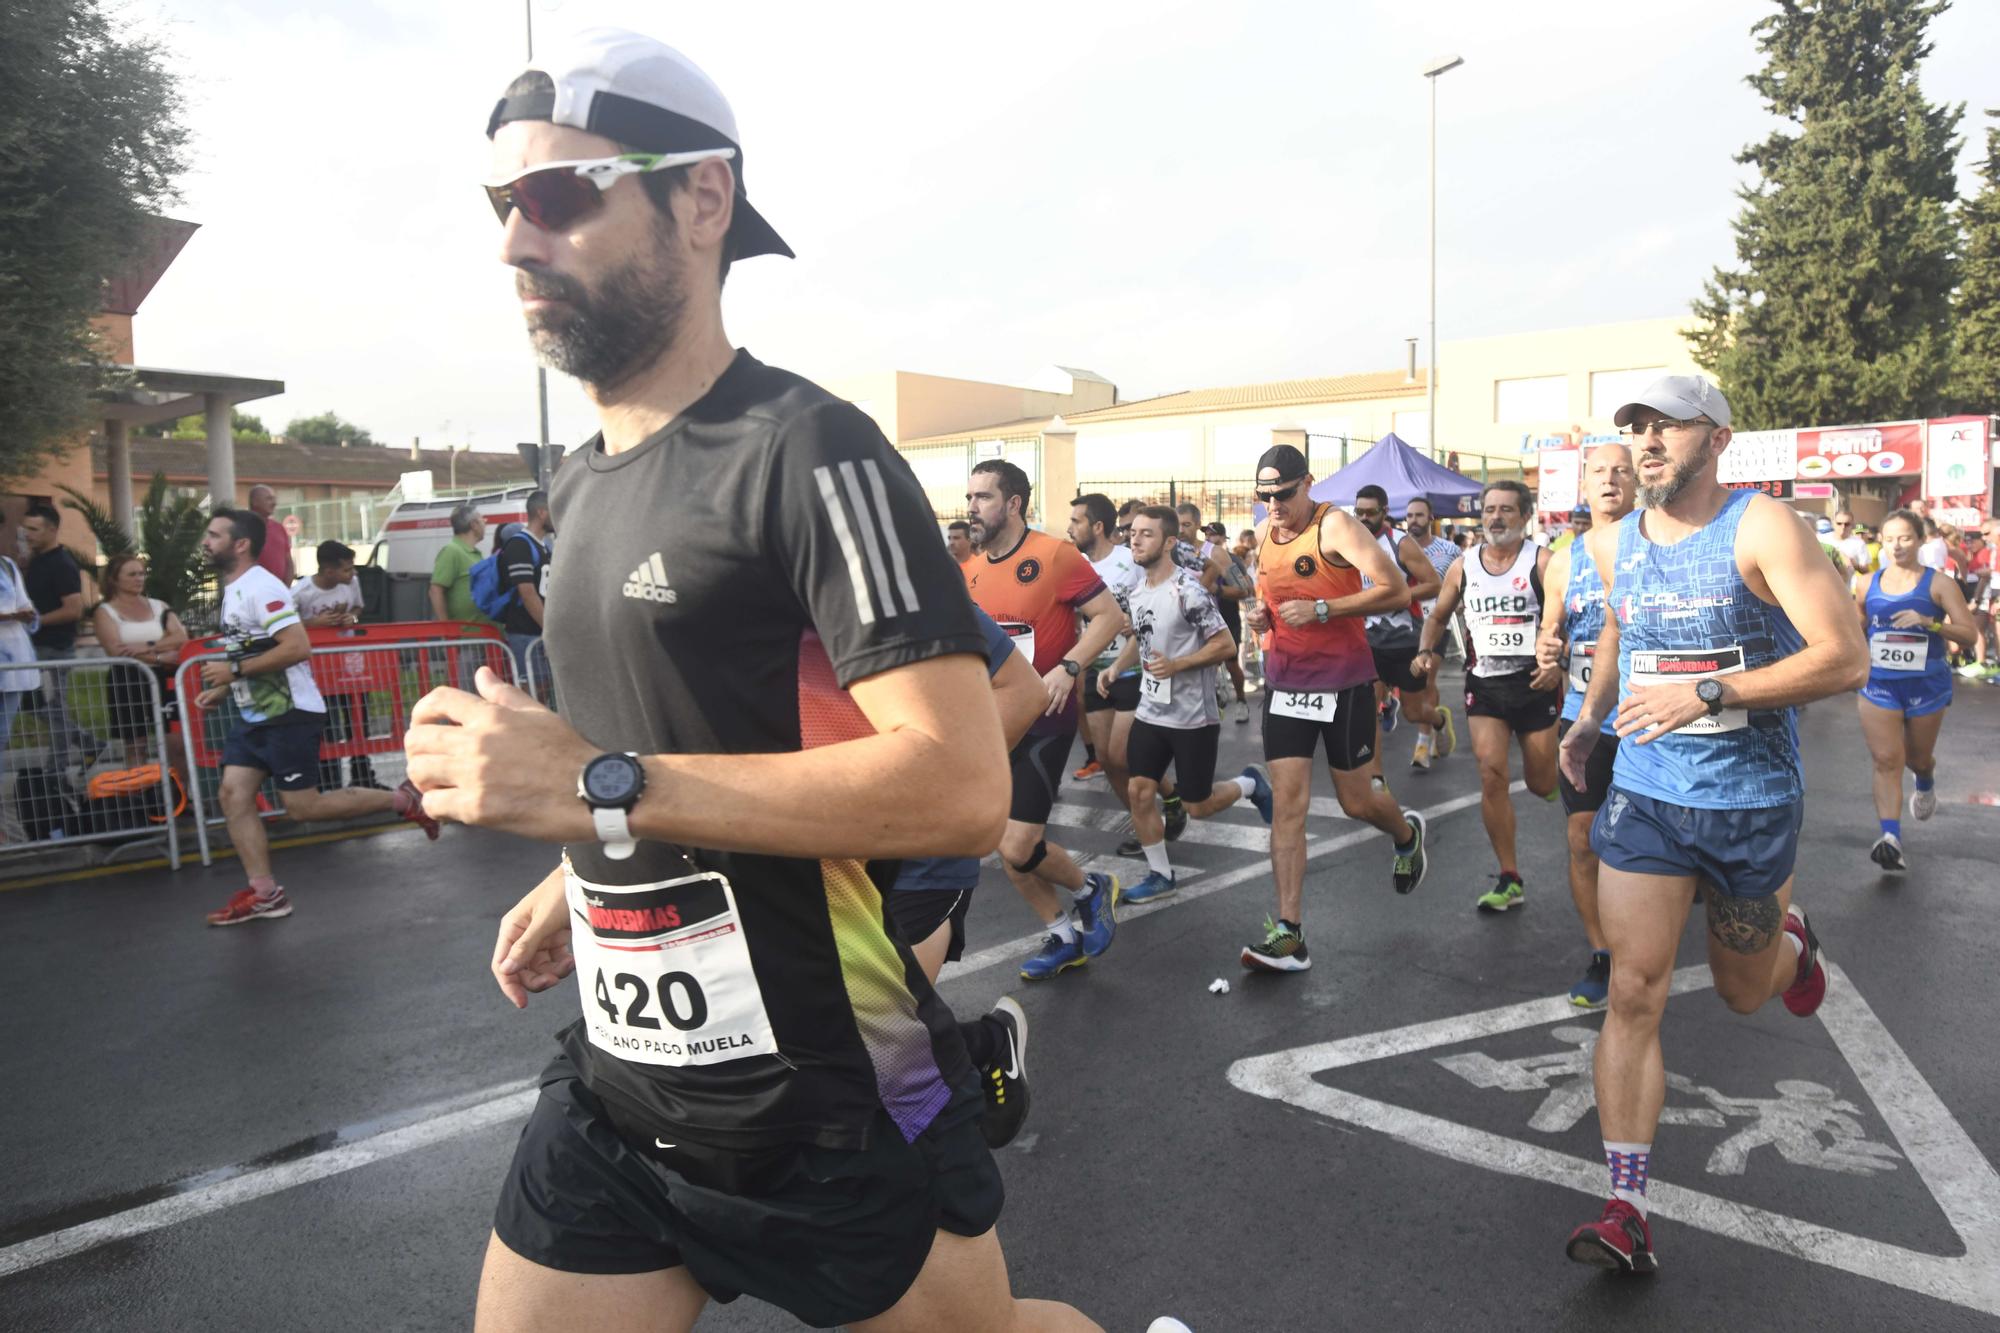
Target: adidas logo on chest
{"type": "Point", "coordinates": [648, 583]}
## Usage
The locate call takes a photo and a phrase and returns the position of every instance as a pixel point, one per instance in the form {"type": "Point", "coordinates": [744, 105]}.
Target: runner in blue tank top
{"type": "Point", "coordinates": [1571, 624]}
{"type": "Point", "coordinates": [1726, 616]}
{"type": "Point", "coordinates": [1908, 612]}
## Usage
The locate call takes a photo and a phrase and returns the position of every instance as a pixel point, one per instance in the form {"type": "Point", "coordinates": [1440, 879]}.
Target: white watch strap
{"type": "Point", "coordinates": [614, 831]}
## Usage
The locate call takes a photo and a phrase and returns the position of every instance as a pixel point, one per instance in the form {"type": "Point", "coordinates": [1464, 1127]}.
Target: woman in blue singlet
{"type": "Point", "coordinates": [1908, 613]}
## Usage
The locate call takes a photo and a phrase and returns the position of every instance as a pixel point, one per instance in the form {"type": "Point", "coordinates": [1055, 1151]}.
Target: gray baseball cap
{"type": "Point", "coordinates": [1682, 397]}
{"type": "Point", "coordinates": [639, 91]}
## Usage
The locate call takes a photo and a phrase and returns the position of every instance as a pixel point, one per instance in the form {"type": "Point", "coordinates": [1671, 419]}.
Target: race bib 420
{"type": "Point", "coordinates": [665, 971]}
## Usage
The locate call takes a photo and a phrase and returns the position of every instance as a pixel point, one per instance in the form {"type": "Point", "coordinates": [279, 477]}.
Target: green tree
{"type": "Point", "coordinates": [1976, 362]}
{"type": "Point", "coordinates": [91, 143]}
{"type": "Point", "coordinates": [1840, 309]}
{"type": "Point", "coordinates": [327, 428]}
{"type": "Point", "coordinates": [246, 428]}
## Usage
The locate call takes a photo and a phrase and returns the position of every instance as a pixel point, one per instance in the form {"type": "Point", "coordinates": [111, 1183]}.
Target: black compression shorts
{"type": "Point", "coordinates": [1190, 750]}
{"type": "Point", "coordinates": [1037, 764]}
{"type": "Point", "coordinates": [584, 1196]}
{"type": "Point", "coordinates": [917, 914]}
{"type": "Point", "coordinates": [1392, 667]}
{"type": "Point", "coordinates": [1597, 774]}
{"type": "Point", "coordinates": [1124, 694]}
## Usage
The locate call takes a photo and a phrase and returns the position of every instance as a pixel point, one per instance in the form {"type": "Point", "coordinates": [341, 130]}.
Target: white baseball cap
{"type": "Point", "coordinates": [1682, 397]}
{"type": "Point", "coordinates": [639, 91]}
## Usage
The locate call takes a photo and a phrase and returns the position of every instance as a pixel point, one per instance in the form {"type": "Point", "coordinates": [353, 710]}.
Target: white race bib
{"type": "Point", "coordinates": [1156, 690]}
{"type": "Point", "coordinates": [1023, 637]}
{"type": "Point", "coordinates": [1681, 666]}
{"type": "Point", "coordinates": [665, 971]}
{"type": "Point", "coordinates": [1309, 705]}
{"type": "Point", "coordinates": [239, 690]}
{"type": "Point", "coordinates": [1580, 658]}
{"type": "Point", "coordinates": [1899, 650]}
{"type": "Point", "coordinates": [1504, 636]}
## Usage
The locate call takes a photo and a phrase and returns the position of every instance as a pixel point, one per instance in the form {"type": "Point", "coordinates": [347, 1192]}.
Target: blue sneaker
{"type": "Point", "coordinates": [1097, 914]}
{"type": "Point", "coordinates": [1261, 795]}
{"type": "Point", "coordinates": [1155, 885]}
{"type": "Point", "coordinates": [1592, 991]}
{"type": "Point", "coordinates": [1391, 713]}
{"type": "Point", "coordinates": [1056, 955]}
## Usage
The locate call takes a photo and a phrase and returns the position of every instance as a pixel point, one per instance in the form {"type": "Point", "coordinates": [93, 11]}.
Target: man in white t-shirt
{"type": "Point", "coordinates": [329, 598]}
{"type": "Point", "coordinates": [1853, 548]}
{"type": "Point", "coordinates": [280, 714]}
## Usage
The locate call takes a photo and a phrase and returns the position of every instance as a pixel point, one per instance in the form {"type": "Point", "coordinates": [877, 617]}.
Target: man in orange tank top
{"type": "Point", "coordinates": [1036, 585]}
{"type": "Point", "coordinates": [1319, 686]}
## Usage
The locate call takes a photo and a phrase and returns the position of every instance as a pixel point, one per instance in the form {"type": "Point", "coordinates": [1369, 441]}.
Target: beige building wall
{"type": "Point", "coordinates": [909, 406]}
{"type": "Point", "coordinates": [1494, 394]}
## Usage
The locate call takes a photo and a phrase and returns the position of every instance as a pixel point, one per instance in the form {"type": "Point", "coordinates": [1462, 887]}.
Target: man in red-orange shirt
{"type": "Point", "coordinates": [1035, 586]}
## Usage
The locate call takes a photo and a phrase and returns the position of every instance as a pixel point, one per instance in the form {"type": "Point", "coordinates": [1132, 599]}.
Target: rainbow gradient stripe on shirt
{"type": "Point", "coordinates": [1312, 656]}
{"type": "Point", "coordinates": [877, 974]}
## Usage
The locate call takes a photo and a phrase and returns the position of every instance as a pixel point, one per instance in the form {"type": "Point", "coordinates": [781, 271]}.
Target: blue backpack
{"type": "Point", "coordinates": [490, 594]}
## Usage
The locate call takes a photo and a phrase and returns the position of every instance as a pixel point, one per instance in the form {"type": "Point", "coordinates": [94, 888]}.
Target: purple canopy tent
{"type": "Point", "coordinates": [1406, 475]}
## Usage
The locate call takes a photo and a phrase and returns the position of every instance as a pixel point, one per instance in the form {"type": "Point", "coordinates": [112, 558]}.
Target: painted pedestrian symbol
{"type": "Point", "coordinates": [1806, 1123]}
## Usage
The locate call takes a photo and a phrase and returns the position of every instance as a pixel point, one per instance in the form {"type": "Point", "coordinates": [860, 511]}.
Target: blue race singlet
{"type": "Point", "coordinates": [1583, 621]}
{"type": "Point", "coordinates": [1684, 613]}
{"type": "Point", "coordinates": [1905, 654]}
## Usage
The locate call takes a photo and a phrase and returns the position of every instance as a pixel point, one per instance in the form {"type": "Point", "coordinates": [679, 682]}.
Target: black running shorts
{"type": "Point", "coordinates": [1392, 668]}
{"type": "Point", "coordinates": [1597, 773]}
{"type": "Point", "coordinates": [1124, 694]}
{"type": "Point", "coordinates": [917, 913]}
{"type": "Point", "coordinates": [1191, 751]}
{"type": "Point", "coordinates": [1349, 738]}
{"type": "Point", "coordinates": [287, 749]}
{"type": "Point", "coordinates": [831, 1237]}
{"type": "Point", "coordinates": [1037, 764]}
{"type": "Point", "coordinates": [1508, 698]}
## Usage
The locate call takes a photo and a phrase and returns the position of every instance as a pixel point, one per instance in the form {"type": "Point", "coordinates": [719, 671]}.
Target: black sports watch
{"type": "Point", "coordinates": [1071, 667]}
{"type": "Point", "coordinates": [1710, 692]}
{"type": "Point", "coordinates": [611, 785]}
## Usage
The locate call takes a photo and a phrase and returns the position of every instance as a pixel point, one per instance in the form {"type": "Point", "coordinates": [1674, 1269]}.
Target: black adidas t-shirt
{"type": "Point", "coordinates": [722, 584]}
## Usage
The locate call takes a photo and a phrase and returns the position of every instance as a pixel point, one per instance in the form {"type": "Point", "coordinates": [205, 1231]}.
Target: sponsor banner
{"type": "Point", "coordinates": [1813, 490]}
{"type": "Point", "coordinates": [1957, 480]}
{"type": "Point", "coordinates": [1893, 449]}
{"type": "Point", "coordinates": [1759, 455]}
{"type": "Point", "coordinates": [1560, 480]}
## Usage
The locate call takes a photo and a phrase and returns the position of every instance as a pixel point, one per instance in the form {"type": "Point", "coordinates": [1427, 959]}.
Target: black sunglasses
{"type": "Point", "coordinates": [1279, 497]}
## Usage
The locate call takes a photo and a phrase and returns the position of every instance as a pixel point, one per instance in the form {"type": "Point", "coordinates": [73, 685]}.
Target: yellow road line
{"type": "Point", "coordinates": [193, 857]}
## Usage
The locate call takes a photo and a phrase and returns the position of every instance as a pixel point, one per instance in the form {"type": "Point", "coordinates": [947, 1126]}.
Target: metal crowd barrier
{"type": "Point", "coordinates": [541, 681]}
{"type": "Point", "coordinates": [370, 690]}
{"type": "Point", "coordinates": [84, 756]}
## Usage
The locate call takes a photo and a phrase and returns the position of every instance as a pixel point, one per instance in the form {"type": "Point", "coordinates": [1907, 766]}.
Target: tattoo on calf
{"type": "Point", "coordinates": [1744, 925]}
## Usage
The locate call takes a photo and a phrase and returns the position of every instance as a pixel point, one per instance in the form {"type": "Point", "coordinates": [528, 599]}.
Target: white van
{"type": "Point", "coordinates": [407, 546]}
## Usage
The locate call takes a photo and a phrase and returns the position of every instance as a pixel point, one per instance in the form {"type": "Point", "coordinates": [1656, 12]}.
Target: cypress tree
{"type": "Point", "coordinates": [1976, 361]}
{"type": "Point", "coordinates": [1840, 309]}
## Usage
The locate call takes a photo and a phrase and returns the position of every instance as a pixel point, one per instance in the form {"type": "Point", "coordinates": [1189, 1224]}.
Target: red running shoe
{"type": "Point", "coordinates": [1620, 1241]}
{"type": "Point", "coordinates": [1091, 769]}
{"type": "Point", "coordinates": [1803, 996]}
{"type": "Point", "coordinates": [416, 814]}
{"type": "Point", "coordinates": [248, 906]}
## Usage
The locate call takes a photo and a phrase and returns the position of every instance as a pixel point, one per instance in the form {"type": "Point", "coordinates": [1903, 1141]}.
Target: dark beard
{"type": "Point", "coordinates": [607, 336]}
{"type": "Point", "coordinates": [1665, 493]}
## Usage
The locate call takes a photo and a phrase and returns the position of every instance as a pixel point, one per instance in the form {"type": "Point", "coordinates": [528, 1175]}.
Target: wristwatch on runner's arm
{"type": "Point", "coordinates": [1710, 692]}
{"type": "Point", "coordinates": [611, 785]}
{"type": "Point", "coordinates": [1320, 610]}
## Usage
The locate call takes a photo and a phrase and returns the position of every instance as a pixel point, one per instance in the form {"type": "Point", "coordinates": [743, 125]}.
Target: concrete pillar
{"type": "Point", "coordinates": [118, 464]}
{"type": "Point", "coordinates": [1059, 479]}
{"type": "Point", "coordinates": [221, 451]}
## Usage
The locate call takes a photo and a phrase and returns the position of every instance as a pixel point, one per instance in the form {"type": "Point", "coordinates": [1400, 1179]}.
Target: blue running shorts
{"type": "Point", "coordinates": [1911, 693]}
{"type": "Point", "coordinates": [1743, 853]}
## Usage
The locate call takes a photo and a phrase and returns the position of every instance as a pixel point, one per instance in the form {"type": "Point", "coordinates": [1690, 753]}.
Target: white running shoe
{"type": "Point", "coordinates": [1923, 804]}
{"type": "Point", "coordinates": [1888, 853]}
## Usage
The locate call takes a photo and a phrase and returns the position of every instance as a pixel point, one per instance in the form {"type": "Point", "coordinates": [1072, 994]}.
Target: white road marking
{"type": "Point", "coordinates": [496, 1106]}
{"type": "Point", "coordinates": [1199, 832]}
{"type": "Point", "coordinates": [1963, 1182]}
{"type": "Point", "coordinates": [1020, 948]}
{"type": "Point", "coordinates": [499, 1105]}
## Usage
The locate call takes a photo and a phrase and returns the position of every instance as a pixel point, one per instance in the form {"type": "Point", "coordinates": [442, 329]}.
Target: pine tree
{"type": "Point", "coordinates": [1976, 361]}
{"type": "Point", "coordinates": [1841, 308]}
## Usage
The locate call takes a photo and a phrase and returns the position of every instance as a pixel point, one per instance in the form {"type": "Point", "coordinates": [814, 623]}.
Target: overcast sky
{"type": "Point", "coordinates": [1171, 194]}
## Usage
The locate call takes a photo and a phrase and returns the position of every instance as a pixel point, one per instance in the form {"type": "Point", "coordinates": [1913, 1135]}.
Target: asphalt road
{"type": "Point", "coordinates": [301, 1124]}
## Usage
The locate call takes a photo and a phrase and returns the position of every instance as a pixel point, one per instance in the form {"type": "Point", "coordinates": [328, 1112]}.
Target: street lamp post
{"type": "Point", "coordinates": [1441, 66]}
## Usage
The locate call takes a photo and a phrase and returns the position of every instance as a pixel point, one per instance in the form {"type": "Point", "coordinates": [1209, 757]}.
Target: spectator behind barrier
{"type": "Point", "coordinates": [144, 630]}
{"type": "Point", "coordinates": [451, 575]}
{"type": "Point", "coordinates": [329, 598]}
{"type": "Point", "coordinates": [17, 621]}
{"type": "Point", "coordinates": [55, 583]}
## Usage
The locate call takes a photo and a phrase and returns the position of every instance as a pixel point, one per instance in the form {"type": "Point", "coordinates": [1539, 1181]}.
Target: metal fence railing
{"type": "Point", "coordinates": [370, 690]}
{"type": "Point", "coordinates": [86, 758]}
{"type": "Point", "coordinates": [537, 678]}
